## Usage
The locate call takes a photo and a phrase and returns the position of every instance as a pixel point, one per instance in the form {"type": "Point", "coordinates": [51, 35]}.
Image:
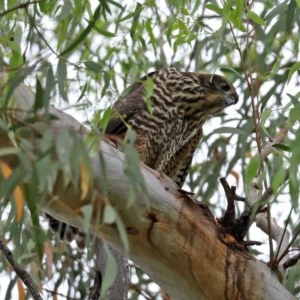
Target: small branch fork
{"type": "Point", "coordinates": [240, 226]}
{"type": "Point", "coordinates": [22, 273]}
{"type": "Point", "coordinates": [236, 227]}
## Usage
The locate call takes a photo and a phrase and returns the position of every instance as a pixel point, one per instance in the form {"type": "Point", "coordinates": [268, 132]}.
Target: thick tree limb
{"type": "Point", "coordinates": [173, 239]}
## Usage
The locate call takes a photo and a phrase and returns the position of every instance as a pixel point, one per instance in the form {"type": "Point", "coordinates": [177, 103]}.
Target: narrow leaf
{"type": "Point", "coordinates": [61, 78]}
{"type": "Point", "coordinates": [50, 84]}
{"type": "Point", "coordinates": [93, 66]}
{"type": "Point", "coordinates": [84, 33]}
{"type": "Point", "coordinates": [255, 18]}
{"type": "Point", "coordinates": [282, 147]}
{"type": "Point", "coordinates": [105, 119]}
{"type": "Point", "coordinates": [39, 96]}
{"type": "Point", "coordinates": [110, 271]}
{"type": "Point", "coordinates": [215, 8]}
{"type": "Point", "coordinates": [136, 15]}
{"type": "Point", "coordinates": [252, 169]}
{"type": "Point", "coordinates": [295, 67]}
{"type": "Point", "coordinates": [104, 32]}
{"type": "Point", "coordinates": [264, 117]}
{"type": "Point", "coordinates": [230, 130]}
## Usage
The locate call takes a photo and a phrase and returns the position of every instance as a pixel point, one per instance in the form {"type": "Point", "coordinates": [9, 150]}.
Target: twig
{"type": "Point", "coordinates": [21, 5]}
{"type": "Point", "coordinates": [58, 294]}
{"type": "Point", "coordinates": [22, 273]}
{"type": "Point", "coordinates": [275, 232]}
{"type": "Point", "coordinates": [282, 238]}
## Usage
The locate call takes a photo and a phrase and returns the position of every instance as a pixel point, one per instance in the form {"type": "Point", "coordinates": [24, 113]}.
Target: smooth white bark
{"type": "Point", "coordinates": [173, 239]}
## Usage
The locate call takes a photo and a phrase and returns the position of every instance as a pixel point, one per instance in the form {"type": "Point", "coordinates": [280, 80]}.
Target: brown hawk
{"type": "Point", "coordinates": [167, 109]}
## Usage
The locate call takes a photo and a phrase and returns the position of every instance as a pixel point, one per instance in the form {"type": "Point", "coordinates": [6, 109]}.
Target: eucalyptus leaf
{"type": "Point", "coordinates": [230, 130]}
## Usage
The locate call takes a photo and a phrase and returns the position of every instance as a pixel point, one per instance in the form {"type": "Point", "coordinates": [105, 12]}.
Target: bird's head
{"type": "Point", "coordinates": [219, 92]}
{"type": "Point", "coordinates": [198, 94]}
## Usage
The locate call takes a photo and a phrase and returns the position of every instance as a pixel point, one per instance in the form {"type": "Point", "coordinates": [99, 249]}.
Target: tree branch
{"type": "Point", "coordinates": [21, 5]}
{"type": "Point", "coordinates": [174, 239]}
{"type": "Point", "coordinates": [22, 273]}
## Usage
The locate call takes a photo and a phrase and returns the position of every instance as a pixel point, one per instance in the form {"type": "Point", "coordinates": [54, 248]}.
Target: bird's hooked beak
{"type": "Point", "coordinates": [232, 99]}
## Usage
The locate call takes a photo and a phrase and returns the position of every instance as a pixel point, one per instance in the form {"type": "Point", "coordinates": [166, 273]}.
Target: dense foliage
{"type": "Point", "coordinates": [81, 55]}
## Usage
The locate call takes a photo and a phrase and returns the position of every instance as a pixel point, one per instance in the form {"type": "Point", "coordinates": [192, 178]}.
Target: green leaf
{"type": "Point", "coordinates": [298, 3]}
{"type": "Point", "coordinates": [109, 276]}
{"type": "Point", "coordinates": [282, 147]}
{"type": "Point", "coordinates": [294, 170]}
{"type": "Point", "coordinates": [62, 78]}
{"type": "Point", "coordinates": [230, 130]}
{"type": "Point", "coordinates": [50, 84]}
{"type": "Point", "coordinates": [290, 17]}
{"type": "Point", "coordinates": [16, 58]}
{"type": "Point", "coordinates": [106, 78]}
{"type": "Point", "coordinates": [83, 90]}
{"type": "Point", "coordinates": [135, 21]}
{"type": "Point", "coordinates": [295, 67]}
{"type": "Point", "coordinates": [39, 96]}
{"type": "Point", "coordinates": [105, 118]}
{"type": "Point", "coordinates": [255, 18]}
{"type": "Point", "coordinates": [30, 195]}
{"type": "Point", "coordinates": [47, 6]}
{"type": "Point", "coordinates": [237, 15]}
{"type": "Point", "coordinates": [64, 146]}
{"type": "Point", "coordinates": [84, 33]}
{"type": "Point", "coordinates": [295, 100]}
{"type": "Point", "coordinates": [239, 75]}
{"type": "Point", "coordinates": [132, 167]}
{"type": "Point", "coordinates": [94, 67]}
{"type": "Point", "coordinates": [104, 32]}
{"type": "Point", "coordinates": [215, 8]}
{"type": "Point", "coordinates": [294, 114]}
{"type": "Point", "coordinates": [151, 35]}
{"type": "Point", "coordinates": [264, 117]}
{"type": "Point", "coordinates": [278, 179]}
{"type": "Point", "coordinates": [252, 169]}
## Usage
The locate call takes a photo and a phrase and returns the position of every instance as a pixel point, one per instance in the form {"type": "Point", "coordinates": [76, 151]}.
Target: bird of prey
{"type": "Point", "coordinates": [167, 109]}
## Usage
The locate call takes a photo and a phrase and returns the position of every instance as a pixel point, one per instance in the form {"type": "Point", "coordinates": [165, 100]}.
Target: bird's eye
{"type": "Point", "coordinates": [224, 86]}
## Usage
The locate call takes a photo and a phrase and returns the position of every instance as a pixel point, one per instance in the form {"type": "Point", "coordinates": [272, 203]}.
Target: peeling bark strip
{"type": "Point", "coordinates": [185, 256]}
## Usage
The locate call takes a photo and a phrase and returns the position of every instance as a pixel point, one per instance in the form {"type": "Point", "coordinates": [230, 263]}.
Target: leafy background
{"type": "Point", "coordinates": [81, 55]}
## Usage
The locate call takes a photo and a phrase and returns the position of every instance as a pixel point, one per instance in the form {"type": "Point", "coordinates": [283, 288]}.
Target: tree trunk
{"type": "Point", "coordinates": [176, 241]}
